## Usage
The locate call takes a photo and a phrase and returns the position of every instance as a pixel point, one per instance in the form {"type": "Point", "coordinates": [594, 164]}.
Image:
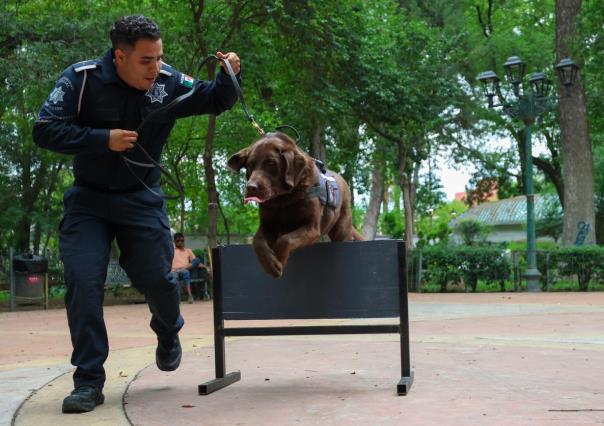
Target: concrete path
{"type": "Point", "coordinates": [498, 358]}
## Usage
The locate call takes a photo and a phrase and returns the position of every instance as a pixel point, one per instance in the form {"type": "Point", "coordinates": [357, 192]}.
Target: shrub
{"type": "Point", "coordinates": [584, 262]}
{"type": "Point", "coordinates": [472, 231]}
{"type": "Point", "coordinates": [446, 264]}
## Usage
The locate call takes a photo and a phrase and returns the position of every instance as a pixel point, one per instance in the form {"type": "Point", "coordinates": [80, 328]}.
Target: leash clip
{"type": "Point", "coordinates": [257, 127]}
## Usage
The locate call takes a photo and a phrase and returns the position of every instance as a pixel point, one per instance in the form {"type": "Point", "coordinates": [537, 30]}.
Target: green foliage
{"type": "Point", "coordinates": [430, 193]}
{"type": "Point", "coordinates": [57, 291]}
{"type": "Point", "coordinates": [441, 266]}
{"type": "Point", "coordinates": [201, 253]}
{"type": "Point", "coordinates": [452, 264]}
{"type": "Point", "coordinates": [550, 225]}
{"type": "Point", "coordinates": [584, 262]}
{"type": "Point", "coordinates": [433, 227]}
{"type": "Point", "coordinates": [521, 245]}
{"type": "Point", "coordinates": [472, 231]}
{"type": "Point", "coordinates": [359, 74]}
{"type": "Point", "coordinates": [486, 267]}
{"type": "Point", "coordinates": [391, 224]}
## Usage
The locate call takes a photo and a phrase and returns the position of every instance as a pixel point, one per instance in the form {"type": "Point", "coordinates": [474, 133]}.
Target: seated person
{"type": "Point", "coordinates": [184, 262]}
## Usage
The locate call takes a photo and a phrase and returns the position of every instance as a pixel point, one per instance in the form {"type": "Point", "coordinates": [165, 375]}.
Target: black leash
{"type": "Point", "coordinates": [239, 92]}
{"type": "Point", "coordinates": [152, 162]}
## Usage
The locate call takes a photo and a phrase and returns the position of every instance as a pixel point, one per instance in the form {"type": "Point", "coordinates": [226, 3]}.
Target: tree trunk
{"type": "Point", "coordinates": [181, 224]}
{"type": "Point", "coordinates": [406, 186]}
{"type": "Point", "coordinates": [317, 149]}
{"type": "Point", "coordinates": [409, 187]}
{"type": "Point", "coordinates": [385, 198]}
{"type": "Point", "coordinates": [375, 200]}
{"type": "Point", "coordinates": [197, 9]}
{"type": "Point", "coordinates": [579, 208]}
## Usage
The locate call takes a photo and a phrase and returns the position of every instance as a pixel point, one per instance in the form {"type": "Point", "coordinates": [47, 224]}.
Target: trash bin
{"type": "Point", "coordinates": [29, 273]}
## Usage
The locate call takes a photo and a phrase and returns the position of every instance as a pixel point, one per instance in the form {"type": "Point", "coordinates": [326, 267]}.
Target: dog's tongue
{"type": "Point", "coordinates": [252, 199]}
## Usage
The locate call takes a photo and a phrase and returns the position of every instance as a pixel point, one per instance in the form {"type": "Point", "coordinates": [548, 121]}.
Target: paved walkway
{"type": "Point", "coordinates": [479, 359]}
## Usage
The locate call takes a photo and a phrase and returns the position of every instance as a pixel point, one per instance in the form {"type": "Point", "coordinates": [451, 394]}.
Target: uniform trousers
{"type": "Point", "coordinates": [139, 224]}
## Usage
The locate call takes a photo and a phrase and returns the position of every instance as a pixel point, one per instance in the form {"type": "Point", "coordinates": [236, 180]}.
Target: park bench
{"type": "Point", "coordinates": [200, 279]}
{"type": "Point", "coordinates": [117, 278]}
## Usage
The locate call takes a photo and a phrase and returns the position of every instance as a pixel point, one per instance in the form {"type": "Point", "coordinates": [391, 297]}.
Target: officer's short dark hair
{"type": "Point", "coordinates": [178, 235]}
{"type": "Point", "coordinates": [127, 30]}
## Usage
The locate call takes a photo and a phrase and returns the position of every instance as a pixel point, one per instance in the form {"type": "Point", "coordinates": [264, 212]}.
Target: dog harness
{"type": "Point", "coordinates": [327, 189]}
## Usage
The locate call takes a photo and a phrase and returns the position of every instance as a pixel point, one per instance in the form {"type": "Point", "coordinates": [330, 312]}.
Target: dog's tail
{"type": "Point", "coordinates": [357, 236]}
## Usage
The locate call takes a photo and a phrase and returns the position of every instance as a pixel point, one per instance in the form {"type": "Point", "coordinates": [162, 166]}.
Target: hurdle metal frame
{"type": "Point", "coordinates": [224, 379]}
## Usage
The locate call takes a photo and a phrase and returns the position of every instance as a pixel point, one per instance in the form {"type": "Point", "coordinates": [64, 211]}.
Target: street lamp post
{"type": "Point", "coordinates": [527, 107]}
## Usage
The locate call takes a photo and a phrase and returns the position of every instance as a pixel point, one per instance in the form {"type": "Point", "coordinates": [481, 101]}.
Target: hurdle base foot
{"type": "Point", "coordinates": [404, 385]}
{"type": "Point", "coordinates": [218, 383]}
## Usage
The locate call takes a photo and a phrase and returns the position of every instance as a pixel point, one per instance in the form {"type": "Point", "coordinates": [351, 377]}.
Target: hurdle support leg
{"type": "Point", "coordinates": [222, 379]}
{"type": "Point", "coordinates": [218, 383]}
{"type": "Point", "coordinates": [404, 385]}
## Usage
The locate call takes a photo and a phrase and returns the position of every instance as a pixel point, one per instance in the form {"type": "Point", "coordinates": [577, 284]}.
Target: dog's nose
{"type": "Point", "coordinates": [251, 187]}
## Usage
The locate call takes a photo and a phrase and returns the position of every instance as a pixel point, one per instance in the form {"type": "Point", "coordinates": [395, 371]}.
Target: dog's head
{"type": "Point", "coordinates": [274, 166]}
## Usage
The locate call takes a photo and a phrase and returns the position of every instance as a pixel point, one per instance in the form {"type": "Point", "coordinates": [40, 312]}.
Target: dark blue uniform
{"type": "Point", "coordinates": [107, 201]}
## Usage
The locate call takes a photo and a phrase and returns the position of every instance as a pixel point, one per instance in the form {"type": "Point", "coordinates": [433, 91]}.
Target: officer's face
{"type": "Point", "coordinates": [139, 66]}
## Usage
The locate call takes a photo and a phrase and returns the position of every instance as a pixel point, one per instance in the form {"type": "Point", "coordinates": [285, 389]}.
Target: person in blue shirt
{"type": "Point", "coordinates": [94, 112]}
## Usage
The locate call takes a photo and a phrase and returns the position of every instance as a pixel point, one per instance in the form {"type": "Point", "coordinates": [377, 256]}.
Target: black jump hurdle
{"type": "Point", "coordinates": [329, 280]}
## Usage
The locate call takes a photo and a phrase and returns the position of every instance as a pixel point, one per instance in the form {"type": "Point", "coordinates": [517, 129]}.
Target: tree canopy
{"type": "Point", "coordinates": [371, 86]}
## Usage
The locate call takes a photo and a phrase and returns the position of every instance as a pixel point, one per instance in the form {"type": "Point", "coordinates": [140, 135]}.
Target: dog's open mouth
{"type": "Point", "coordinates": [253, 199]}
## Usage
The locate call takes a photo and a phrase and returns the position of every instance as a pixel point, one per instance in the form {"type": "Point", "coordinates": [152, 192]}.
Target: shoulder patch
{"type": "Point", "coordinates": [166, 69]}
{"type": "Point", "coordinates": [84, 65]}
{"type": "Point", "coordinates": [187, 80]}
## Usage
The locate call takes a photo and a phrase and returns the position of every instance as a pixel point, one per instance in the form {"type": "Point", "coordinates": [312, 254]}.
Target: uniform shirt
{"type": "Point", "coordinates": [90, 98]}
{"type": "Point", "coordinates": [182, 258]}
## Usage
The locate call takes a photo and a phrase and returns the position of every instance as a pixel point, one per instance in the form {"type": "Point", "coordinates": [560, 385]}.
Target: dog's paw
{"type": "Point", "coordinates": [274, 268]}
{"type": "Point", "coordinates": [271, 265]}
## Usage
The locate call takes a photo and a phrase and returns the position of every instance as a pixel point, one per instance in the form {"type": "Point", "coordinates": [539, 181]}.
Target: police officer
{"type": "Point", "coordinates": [93, 112]}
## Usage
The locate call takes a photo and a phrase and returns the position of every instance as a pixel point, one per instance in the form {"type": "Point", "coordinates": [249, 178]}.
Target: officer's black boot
{"type": "Point", "coordinates": [83, 399]}
{"type": "Point", "coordinates": [168, 353]}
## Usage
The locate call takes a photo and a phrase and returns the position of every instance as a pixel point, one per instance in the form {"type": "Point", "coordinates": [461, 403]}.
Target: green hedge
{"type": "Point", "coordinates": [468, 263]}
{"type": "Point", "coordinates": [586, 263]}
{"type": "Point", "coordinates": [453, 264]}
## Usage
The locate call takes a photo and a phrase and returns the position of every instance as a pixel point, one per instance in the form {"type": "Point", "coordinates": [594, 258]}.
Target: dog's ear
{"type": "Point", "coordinates": [295, 164]}
{"type": "Point", "coordinates": [238, 160]}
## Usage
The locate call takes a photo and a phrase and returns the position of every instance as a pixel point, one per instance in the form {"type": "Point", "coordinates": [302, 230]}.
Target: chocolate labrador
{"type": "Point", "coordinates": [298, 201]}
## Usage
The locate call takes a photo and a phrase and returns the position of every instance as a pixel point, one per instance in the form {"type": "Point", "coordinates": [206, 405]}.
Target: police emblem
{"type": "Point", "coordinates": [157, 93]}
{"type": "Point", "coordinates": [57, 95]}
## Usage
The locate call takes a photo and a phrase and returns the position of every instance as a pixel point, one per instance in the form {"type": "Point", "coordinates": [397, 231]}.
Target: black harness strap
{"type": "Point", "coordinates": [327, 190]}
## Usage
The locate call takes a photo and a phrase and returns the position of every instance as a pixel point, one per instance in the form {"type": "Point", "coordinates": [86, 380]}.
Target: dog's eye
{"type": "Point", "coordinates": [271, 162]}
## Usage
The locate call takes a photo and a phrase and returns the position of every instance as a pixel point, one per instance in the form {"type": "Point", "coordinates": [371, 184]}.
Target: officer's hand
{"type": "Point", "coordinates": [233, 60]}
{"type": "Point", "coordinates": [121, 140]}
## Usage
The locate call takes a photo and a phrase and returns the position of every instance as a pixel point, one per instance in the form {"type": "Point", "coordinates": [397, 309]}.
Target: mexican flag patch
{"type": "Point", "coordinates": [187, 80]}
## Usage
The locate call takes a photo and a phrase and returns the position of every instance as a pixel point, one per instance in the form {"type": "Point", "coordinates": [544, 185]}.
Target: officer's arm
{"type": "Point", "coordinates": [57, 127]}
{"type": "Point", "coordinates": [211, 97]}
